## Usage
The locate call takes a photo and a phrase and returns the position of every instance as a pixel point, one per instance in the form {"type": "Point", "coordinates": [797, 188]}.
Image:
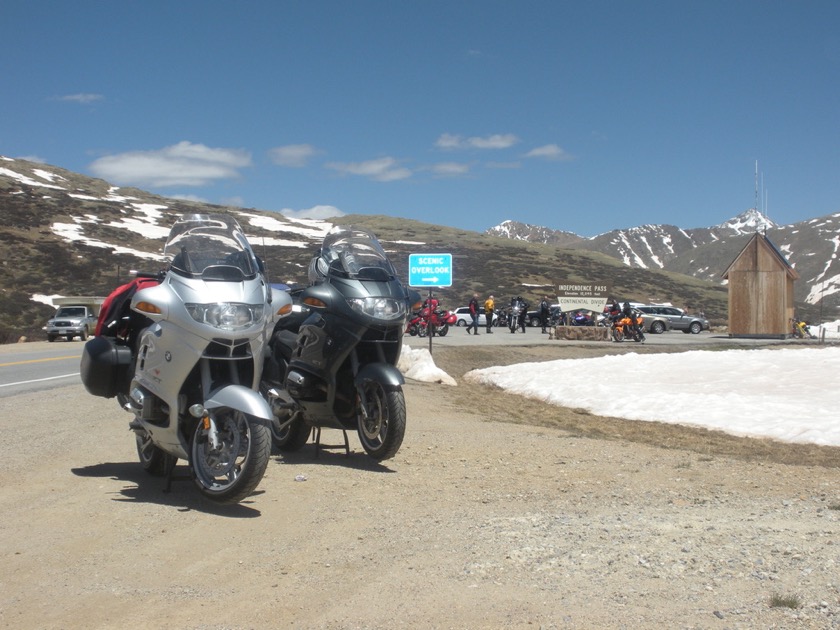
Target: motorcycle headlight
{"type": "Point", "coordinates": [378, 308]}
{"type": "Point", "coordinates": [227, 315]}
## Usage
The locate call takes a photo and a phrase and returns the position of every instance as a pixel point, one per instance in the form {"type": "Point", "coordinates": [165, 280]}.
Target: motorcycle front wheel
{"type": "Point", "coordinates": [441, 331]}
{"type": "Point", "coordinates": [381, 419]}
{"type": "Point", "coordinates": [230, 470]}
{"type": "Point", "coordinates": [617, 334]}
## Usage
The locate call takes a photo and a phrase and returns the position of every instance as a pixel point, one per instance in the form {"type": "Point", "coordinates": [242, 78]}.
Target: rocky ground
{"type": "Point", "coordinates": [487, 518]}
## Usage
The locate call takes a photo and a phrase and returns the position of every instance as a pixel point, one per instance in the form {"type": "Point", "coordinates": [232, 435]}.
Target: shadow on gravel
{"type": "Point", "coordinates": [183, 495]}
{"type": "Point", "coordinates": [331, 455]}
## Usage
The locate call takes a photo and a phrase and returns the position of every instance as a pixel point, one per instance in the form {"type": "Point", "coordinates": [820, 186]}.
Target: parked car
{"type": "Point", "coordinates": [463, 318]}
{"type": "Point", "coordinates": [677, 318]}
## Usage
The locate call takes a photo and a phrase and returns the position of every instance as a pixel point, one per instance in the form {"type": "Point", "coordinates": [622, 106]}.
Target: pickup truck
{"type": "Point", "coordinates": [71, 321]}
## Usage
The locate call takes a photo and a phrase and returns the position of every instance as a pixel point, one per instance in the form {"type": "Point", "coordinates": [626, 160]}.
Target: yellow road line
{"type": "Point", "coordinates": [39, 360]}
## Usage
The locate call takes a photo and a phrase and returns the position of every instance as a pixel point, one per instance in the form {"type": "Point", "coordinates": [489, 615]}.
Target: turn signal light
{"type": "Point", "coordinates": [284, 310]}
{"type": "Point", "coordinates": [147, 307]}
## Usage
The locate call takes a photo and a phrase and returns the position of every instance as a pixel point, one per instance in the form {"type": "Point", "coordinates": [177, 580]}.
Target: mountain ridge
{"type": "Point", "coordinates": [68, 234]}
{"type": "Point", "coordinates": [811, 247]}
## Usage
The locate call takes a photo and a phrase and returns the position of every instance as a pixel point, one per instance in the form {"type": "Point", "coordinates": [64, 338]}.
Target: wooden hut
{"type": "Point", "coordinates": [760, 291]}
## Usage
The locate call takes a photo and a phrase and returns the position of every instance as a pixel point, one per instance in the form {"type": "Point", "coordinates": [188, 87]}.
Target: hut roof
{"type": "Point", "coordinates": [762, 240]}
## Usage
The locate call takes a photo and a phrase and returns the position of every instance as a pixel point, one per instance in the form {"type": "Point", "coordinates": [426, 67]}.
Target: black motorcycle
{"type": "Point", "coordinates": [516, 316]}
{"type": "Point", "coordinates": [333, 352]}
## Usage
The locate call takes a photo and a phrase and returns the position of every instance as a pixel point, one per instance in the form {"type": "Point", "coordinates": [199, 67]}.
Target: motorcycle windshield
{"type": "Point", "coordinates": [356, 253]}
{"type": "Point", "coordinates": [211, 247]}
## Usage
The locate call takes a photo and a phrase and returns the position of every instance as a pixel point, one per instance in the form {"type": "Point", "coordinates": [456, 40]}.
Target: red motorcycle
{"type": "Point", "coordinates": [430, 318]}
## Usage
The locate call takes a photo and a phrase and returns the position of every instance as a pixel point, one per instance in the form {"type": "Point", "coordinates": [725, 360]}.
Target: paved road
{"type": "Point", "coordinates": [38, 366]}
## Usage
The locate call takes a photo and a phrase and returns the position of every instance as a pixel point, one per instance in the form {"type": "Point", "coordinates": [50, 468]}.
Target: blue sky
{"type": "Point", "coordinates": [581, 116]}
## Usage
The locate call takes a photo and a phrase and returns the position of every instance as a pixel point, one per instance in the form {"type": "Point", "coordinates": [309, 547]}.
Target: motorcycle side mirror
{"type": "Point", "coordinates": [415, 300]}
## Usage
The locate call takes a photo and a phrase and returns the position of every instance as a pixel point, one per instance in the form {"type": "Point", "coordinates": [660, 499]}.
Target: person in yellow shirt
{"type": "Point", "coordinates": [489, 307]}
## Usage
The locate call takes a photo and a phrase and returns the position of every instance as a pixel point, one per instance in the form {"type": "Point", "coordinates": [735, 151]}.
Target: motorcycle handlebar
{"type": "Point", "coordinates": [158, 275]}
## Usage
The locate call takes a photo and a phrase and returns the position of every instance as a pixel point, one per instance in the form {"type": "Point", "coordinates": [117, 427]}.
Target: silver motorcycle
{"type": "Point", "coordinates": [184, 354]}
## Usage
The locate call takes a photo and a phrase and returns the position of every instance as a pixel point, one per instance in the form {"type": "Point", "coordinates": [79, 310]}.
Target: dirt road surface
{"type": "Point", "coordinates": [477, 523]}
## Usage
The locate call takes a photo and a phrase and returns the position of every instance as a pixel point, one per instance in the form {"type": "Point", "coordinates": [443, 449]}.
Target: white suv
{"type": "Point", "coordinates": [463, 317]}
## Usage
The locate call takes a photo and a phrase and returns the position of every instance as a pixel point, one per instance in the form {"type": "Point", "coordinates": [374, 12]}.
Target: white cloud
{"type": "Point", "coordinates": [292, 155]}
{"type": "Point", "coordinates": [549, 152]}
{"type": "Point", "coordinates": [504, 165]}
{"type": "Point", "coordinates": [385, 169]}
{"type": "Point", "coordinates": [448, 141]}
{"type": "Point", "coordinates": [182, 164]}
{"type": "Point", "coordinates": [196, 198]}
{"type": "Point", "coordinates": [82, 98]}
{"type": "Point", "coordinates": [450, 169]}
{"type": "Point", "coordinates": [315, 212]}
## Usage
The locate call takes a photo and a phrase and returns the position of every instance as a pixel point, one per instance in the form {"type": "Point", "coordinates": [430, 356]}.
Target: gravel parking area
{"type": "Point", "coordinates": [483, 520]}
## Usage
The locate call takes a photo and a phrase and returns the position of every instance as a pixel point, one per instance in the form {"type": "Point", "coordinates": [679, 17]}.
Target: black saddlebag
{"type": "Point", "coordinates": [106, 367]}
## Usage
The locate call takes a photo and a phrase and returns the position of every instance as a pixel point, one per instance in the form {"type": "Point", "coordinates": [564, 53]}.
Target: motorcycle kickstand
{"type": "Point", "coordinates": [168, 472]}
{"type": "Point", "coordinates": [318, 443]}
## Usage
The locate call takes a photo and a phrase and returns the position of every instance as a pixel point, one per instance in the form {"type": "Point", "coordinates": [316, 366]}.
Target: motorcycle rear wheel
{"type": "Point", "coordinates": [153, 460]}
{"type": "Point", "coordinates": [292, 436]}
{"type": "Point", "coordinates": [232, 471]}
{"type": "Point", "coordinates": [381, 420]}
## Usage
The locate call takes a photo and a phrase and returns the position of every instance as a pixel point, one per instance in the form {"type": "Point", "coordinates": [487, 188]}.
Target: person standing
{"type": "Point", "coordinates": [473, 313]}
{"type": "Point", "coordinates": [523, 313]}
{"type": "Point", "coordinates": [489, 307]}
{"type": "Point", "coordinates": [545, 312]}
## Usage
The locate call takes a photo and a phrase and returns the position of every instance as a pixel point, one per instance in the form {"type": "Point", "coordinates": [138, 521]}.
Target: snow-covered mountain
{"type": "Point", "coordinates": [534, 233]}
{"type": "Point", "coordinates": [810, 246]}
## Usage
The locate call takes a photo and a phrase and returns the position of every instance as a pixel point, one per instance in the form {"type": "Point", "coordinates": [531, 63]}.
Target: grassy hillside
{"type": "Point", "coordinates": [37, 260]}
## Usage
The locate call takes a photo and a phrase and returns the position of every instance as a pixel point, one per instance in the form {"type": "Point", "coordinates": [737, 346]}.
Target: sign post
{"type": "Point", "coordinates": [430, 271]}
{"type": "Point", "coordinates": [592, 297]}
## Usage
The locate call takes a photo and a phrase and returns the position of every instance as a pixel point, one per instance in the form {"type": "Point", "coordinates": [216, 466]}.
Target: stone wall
{"type": "Point", "coordinates": [580, 333]}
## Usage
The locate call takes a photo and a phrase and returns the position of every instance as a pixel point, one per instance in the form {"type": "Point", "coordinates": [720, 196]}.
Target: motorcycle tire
{"type": "Point", "coordinates": [291, 437]}
{"type": "Point", "coordinates": [617, 335]}
{"type": "Point", "coordinates": [422, 331]}
{"type": "Point", "coordinates": [412, 330]}
{"type": "Point", "coordinates": [381, 423]}
{"type": "Point", "coordinates": [154, 461]}
{"type": "Point", "coordinates": [442, 330]}
{"type": "Point", "coordinates": [232, 471]}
